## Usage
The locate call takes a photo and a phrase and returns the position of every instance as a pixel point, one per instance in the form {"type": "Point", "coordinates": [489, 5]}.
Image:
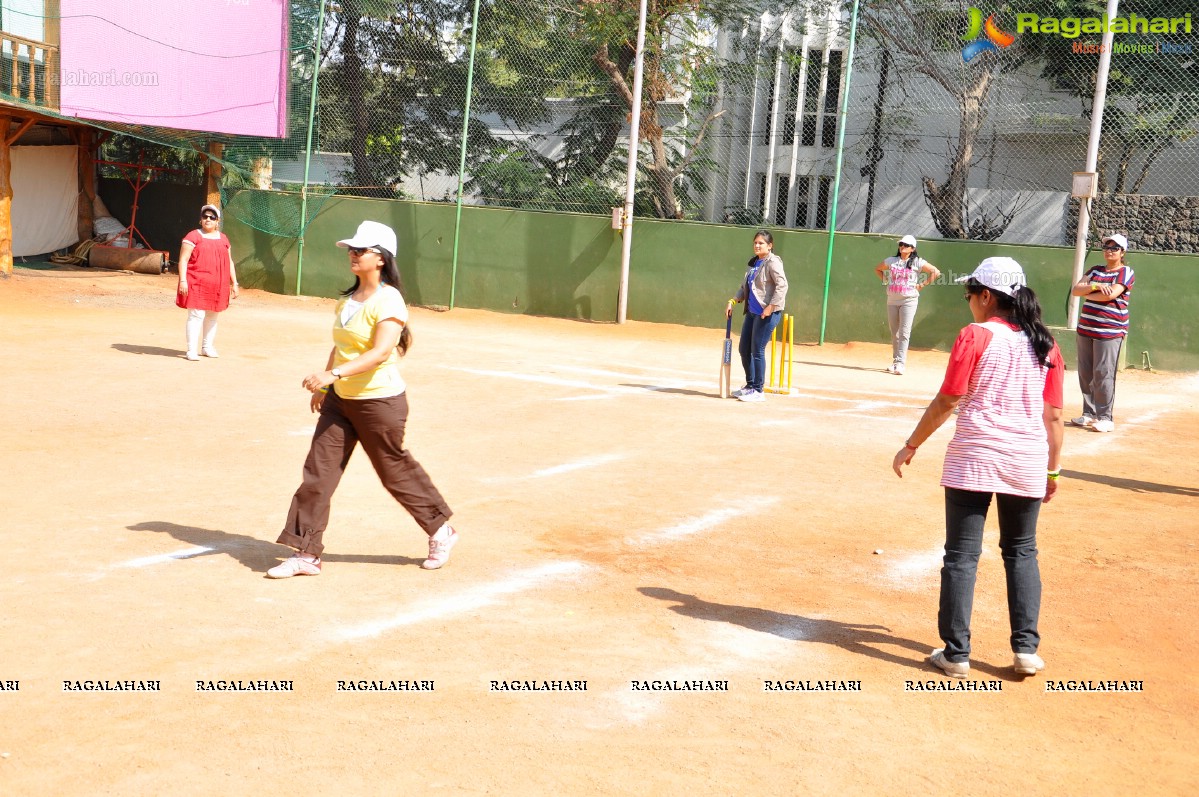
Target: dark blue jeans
{"type": "Point", "coordinates": [755, 334]}
{"type": "Point", "coordinates": [965, 514]}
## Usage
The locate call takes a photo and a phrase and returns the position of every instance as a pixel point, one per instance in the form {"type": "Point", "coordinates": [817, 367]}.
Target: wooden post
{"type": "Point", "coordinates": [5, 199]}
{"type": "Point", "coordinates": [53, 37]}
{"type": "Point", "coordinates": [87, 184]}
{"type": "Point", "coordinates": [212, 173]}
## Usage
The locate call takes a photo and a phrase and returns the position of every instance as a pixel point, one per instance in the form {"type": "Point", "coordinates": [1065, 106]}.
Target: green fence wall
{"type": "Point", "coordinates": [568, 266]}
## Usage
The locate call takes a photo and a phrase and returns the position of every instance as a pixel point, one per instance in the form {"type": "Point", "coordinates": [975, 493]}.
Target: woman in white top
{"type": "Point", "coordinates": [904, 275]}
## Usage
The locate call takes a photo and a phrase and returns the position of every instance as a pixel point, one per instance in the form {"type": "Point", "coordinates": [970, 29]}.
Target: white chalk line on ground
{"type": "Point", "coordinates": [915, 570]}
{"type": "Point", "coordinates": [696, 525]}
{"type": "Point", "coordinates": [726, 649]}
{"type": "Point", "coordinates": [547, 380]}
{"type": "Point", "coordinates": [557, 470]}
{"type": "Point", "coordinates": [476, 597]}
{"type": "Point", "coordinates": [145, 561]}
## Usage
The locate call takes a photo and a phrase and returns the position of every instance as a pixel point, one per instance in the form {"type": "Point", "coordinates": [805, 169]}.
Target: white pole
{"type": "Point", "coordinates": [622, 298]}
{"type": "Point", "coordinates": [1084, 205]}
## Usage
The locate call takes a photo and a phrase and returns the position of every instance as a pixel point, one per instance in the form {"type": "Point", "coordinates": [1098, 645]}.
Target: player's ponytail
{"type": "Point", "coordinates": [1026, 313]}
{"type": "Point", "coordinates": [1023, 310]}
{"type": "Point", "coordinates": [391, 276]}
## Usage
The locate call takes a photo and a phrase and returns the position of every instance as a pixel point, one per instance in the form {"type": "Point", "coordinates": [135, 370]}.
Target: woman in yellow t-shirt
{"type": "Point", "coordinates": [367, 404]}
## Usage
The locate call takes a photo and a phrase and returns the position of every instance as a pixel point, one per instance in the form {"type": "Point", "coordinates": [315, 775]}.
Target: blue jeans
{"type": "Point", "coordinates": [755, 334]}
{"type": "Point", "coordinates": [965, 514]}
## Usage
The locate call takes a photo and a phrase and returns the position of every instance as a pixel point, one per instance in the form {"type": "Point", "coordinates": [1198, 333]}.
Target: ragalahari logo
{"type": "Point", "coordinates": [995, 40]}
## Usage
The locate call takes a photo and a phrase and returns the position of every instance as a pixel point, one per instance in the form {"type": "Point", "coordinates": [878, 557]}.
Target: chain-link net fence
{"type": "Point", "coordinates": [963, 121]}
{"type": "Point", "coordinates": [969, 123]}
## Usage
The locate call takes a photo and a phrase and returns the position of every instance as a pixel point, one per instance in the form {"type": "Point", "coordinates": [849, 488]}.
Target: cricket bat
{"type": "Point", "coordinates": [726, 364]}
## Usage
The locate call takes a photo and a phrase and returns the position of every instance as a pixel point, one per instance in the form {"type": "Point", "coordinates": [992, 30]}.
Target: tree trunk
{"type": "Point", "coordinates": [353, 81]}
{"type": "Point", "coordinates": [947, 201]}
{"type": "Point", "coordinates": [662, 179]}
{"type": "Point", "coordinates": [261, 172]}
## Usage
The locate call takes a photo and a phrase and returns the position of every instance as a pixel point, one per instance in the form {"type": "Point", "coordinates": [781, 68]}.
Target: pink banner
{"type": "Point", "coordinates": [218, 67]}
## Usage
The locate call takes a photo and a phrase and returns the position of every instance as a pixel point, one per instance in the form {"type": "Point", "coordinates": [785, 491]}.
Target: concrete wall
{"type": "Point", "coordinates": [568, 266]}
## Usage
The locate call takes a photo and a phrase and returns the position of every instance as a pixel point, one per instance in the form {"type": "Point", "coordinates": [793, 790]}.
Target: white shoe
{"type": "Point", "coordinates": [741, 391]}
{"type": "Point", "coordinates": [297, 564]}
{"type": "Point", "coordinates": [1103, 426]}
{"type": "Point", "coordinates": [959, 669]}
{"type": "Point", "coordinates": [1028, 663]}
{"type": "Point", "coordinates": [191, 355]}
{"type": "Point", "coordinates": [752, 396]}
{"type": "Point", "coordinates": [210, 352]}
{"type": "Point", "coordinates": [897, 369]}
{"type": "Point", "coordinates": [1085, 421]}
{"type": "Point", "coordinates": [439, 547]}
{"type": "Point", "coordinates": [891, 368]}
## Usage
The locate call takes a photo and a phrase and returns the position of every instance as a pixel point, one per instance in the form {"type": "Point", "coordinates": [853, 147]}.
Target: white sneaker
{"type": "Point", "coordinates": [741, 391]}
{"type": "Point", "coordinates": [210, 352]}
{"type": "Point", "coordinates": [752, 396]}
{"type": "Point", "coordinates": [1028, 663]}
{"type": "Point", "coordinates": [959, 669]}
{"type": "Point", "coordinates": [297, 564]}
{"type": "Point", "coordinates": [897, 369]}
{"type": "Point", "coordinates": [191, 355]}
{"type": "Point", "coordinates": [439, 547]}
{"type": "Point", "coordinates": [891, 368]}
{"type": "Point", "coordinates": [1103, 426]}
{"type": "Point", "coordinates": [1085, 421]}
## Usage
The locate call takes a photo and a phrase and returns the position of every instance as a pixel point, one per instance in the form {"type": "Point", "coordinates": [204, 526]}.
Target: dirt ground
{"type": "Point", "coordinates": [619, 524]}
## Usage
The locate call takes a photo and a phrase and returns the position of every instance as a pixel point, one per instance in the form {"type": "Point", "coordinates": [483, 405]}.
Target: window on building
{"type": "Point", "coordinates": [823, 193]}
{"type": "Point", "coordinates": [832, 97]}
{"type": "Point", "coordinates": [782, 189]}
{"type": "Point", "coordinates": [803, 187]}
{"type": "Point", "coordinates": [819, 112]}
{"type": "Point", "coordinates": [768, 119]}
{"type": "Point", "coordinates": [795, 64]}
{"type": "Point", "coordinates": [811, 100]}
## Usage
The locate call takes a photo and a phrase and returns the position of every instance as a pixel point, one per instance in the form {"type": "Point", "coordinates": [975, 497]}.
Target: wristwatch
{"type": "Point", "coordinates": [336, 373]}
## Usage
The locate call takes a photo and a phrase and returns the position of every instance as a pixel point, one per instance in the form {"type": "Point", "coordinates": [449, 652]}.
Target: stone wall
{"type": "Point", "coordinates": [1152, 223]}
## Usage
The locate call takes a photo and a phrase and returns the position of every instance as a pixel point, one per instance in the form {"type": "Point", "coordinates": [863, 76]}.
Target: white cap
{"type": "Point", "coordinates": [1117, 238]}
{"type": "Point", "coordinates": [1002, 274]}
{"type": "Point", "coordinates": [372, 233]}
{"type": "Point", "coordinates": [213, 208]}
{"type": "Point", "coordinates": [910, 240]}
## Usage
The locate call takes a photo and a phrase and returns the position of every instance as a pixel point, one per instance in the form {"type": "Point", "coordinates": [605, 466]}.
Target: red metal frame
{"type": "Point", "coordinates": [137, 184]}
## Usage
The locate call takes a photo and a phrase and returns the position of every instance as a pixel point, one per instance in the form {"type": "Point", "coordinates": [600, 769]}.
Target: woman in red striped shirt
{"type": "Point", "coordinates": [1005, 380]}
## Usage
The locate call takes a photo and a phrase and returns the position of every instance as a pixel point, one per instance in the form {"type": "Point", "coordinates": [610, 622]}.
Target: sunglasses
{"type": "Point", "coordinates": [1112, 248]}
{"type": "Point", "coordinates": [359, 251]}
{"type": "Point", "coordinates": [208, 217]}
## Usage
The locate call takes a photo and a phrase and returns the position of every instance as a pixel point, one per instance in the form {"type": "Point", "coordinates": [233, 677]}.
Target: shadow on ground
{"type": "Point", "coordinates": [131, 348]}
{"type": "Point", "coordinates": [857, 638]}
{"type": "Point", "coordinates": [253, 553]}
{"type": "Point", "coordinates": [1130, 484]}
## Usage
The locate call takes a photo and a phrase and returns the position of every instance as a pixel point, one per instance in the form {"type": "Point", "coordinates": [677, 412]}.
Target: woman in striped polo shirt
{"type": "Point", "coordinates": [1102, 325]}
{"type": "Point", "coordinates": [1005, 379]}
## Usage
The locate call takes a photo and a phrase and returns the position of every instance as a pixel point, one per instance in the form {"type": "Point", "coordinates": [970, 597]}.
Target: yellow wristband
{"type": "Point", "coordinates": [1054, 475]}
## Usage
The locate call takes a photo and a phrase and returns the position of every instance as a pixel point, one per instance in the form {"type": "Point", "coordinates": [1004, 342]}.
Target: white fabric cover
{"type": "Point", "coordinates": [45, 199]}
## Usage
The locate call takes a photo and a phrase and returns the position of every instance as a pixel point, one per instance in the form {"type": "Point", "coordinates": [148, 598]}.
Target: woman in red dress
{"type": "Point", "coordinates": [207, 280]}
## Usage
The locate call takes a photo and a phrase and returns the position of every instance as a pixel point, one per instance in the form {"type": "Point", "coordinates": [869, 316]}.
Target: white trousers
{"type": "Point", "coordinates": [200, 322]}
